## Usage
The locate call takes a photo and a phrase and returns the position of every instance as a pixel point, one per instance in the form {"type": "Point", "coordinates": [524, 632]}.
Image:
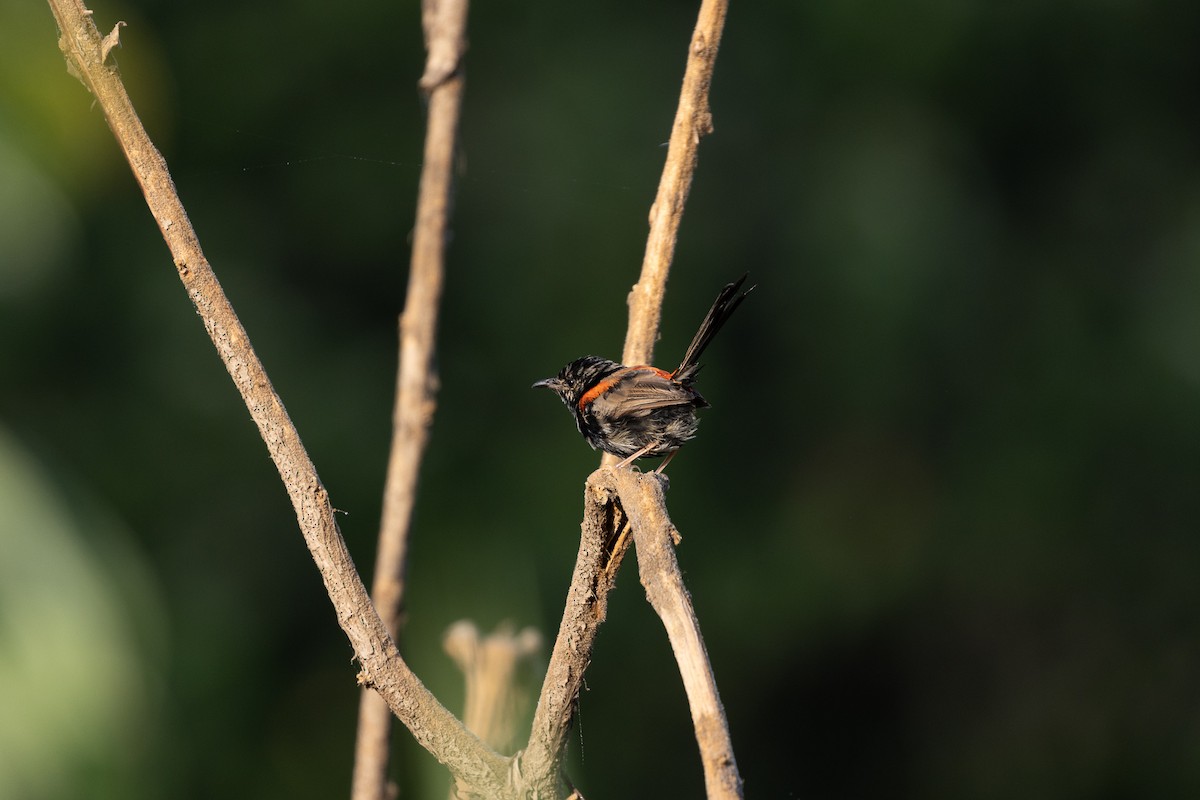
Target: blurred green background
{"type": "Point", "coordinates": [940, 525]}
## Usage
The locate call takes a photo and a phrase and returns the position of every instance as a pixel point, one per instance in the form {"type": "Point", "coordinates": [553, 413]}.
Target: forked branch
{"type": "Point", "coordinates": [537, 771]}
{"type": "Point", "coordinates": [382, 667]}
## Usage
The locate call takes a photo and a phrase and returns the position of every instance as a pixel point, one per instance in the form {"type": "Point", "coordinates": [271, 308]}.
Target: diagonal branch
{"type": "Point", "coordinates": [655, 536]}
{"type": "Point", "coordinates": [416, 377]}
{"type": "Point", "coordinates": [383, 668]}
{"type": "Point", "coordinates": [540, 765]}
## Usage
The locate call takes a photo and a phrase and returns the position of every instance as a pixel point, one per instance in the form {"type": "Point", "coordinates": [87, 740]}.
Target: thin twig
{"type": "Point", "coordinates": [416, 377]}
{"type": "Point", "coordinates": [383, 668]}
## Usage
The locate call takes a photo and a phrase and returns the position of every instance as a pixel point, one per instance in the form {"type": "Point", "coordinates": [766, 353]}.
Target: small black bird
{"type": "Point", "coordinates": [642, 411]}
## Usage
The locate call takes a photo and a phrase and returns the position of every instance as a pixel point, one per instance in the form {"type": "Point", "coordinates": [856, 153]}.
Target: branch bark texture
{"type": "Point", "coordinates": [538, 770]}
{"type": "Point", "coordinates": [416, 377]}
{"type": "Point", "coordinates": [612, 498]}
{"type": "Point", "coordinates": [432, 725]}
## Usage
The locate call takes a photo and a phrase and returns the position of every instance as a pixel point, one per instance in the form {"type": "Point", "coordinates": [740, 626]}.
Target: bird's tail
{"type": "Point", "coordinates": [722, 309]}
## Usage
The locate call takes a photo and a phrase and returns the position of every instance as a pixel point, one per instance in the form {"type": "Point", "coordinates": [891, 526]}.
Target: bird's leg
{"type": "Point", "coordinates": [666, 461]}
{"type": "Point", "coordinates": [636, 455]}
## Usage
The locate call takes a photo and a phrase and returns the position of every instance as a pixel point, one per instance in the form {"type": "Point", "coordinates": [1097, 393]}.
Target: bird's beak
{"type": "Point", "coordinates": [548, 383]}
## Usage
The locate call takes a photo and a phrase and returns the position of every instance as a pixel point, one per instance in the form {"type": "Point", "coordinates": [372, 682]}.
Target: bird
{"type": "Point", "coordinates": [642, 411]}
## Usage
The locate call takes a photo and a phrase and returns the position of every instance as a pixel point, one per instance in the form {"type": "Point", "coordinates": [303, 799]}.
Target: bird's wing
{"type": "Point", "coordinates": [641, 391]}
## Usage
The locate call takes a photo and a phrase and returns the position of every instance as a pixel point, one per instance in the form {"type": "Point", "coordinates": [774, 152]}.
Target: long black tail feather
{"type": "Point", "coordinates": [722, 309]}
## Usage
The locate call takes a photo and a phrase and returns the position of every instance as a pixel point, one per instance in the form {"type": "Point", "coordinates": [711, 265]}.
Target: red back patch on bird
{"type": "Point", "coordinates": [603, 386]}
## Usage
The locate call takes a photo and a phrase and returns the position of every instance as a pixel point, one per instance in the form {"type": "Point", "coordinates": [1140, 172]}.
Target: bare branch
{"type": "Point", "coordinates": [614, 499]}
{"type": "Point", "coordinates": [539, 768]}
{"type": "Point", "coordinates": [416, 377]}
{"type": "Point", "coordinates": [383, 668]}
{"type": "Point", "coordinates": [655, 536]}
{"type": "Point", "coordinates": [693, 119]}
